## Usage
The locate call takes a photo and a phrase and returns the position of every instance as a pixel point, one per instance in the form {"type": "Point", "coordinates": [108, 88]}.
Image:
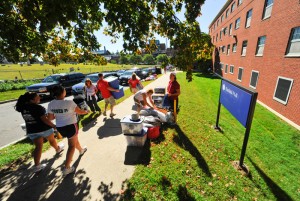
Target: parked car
{"type": "Point", "coordinates": [141, 74]}
{"type": "Point", "coordinates": [67, 80]}
{"type": "Point", "coordinates": [120, 72]}
{"type": "Point", "coordinates": [77, 89]}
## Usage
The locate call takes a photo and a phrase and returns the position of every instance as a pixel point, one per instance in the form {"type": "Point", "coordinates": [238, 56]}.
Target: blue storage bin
{"type": "Point", "coordinates": [119, 94]}
{"type": "Point", "coordinates": [113, 82]}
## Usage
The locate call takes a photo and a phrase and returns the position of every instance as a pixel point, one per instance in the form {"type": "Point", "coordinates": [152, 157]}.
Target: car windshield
{"type": "Point", "coordinates": [128, 73]}
{"type": "Point", "coordinates": [93, 78]}
{"type": "Point", "coordinates": [52, 78]}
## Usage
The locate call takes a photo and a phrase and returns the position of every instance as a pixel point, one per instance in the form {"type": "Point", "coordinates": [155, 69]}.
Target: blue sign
{"type": "Point", "coordinates": [236, 101]}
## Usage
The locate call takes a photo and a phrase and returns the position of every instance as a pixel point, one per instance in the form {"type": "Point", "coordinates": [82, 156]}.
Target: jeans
{"type": "Point", "coordinates": [93, 104]}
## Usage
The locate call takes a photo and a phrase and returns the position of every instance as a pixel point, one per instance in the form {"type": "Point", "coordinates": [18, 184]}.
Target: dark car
{"type": "Point", "coordinates": [120, 72]}
{"type": "Point", "coordinates": [124, 78]}
{"type": "Point", "coordinates": [67, 80]}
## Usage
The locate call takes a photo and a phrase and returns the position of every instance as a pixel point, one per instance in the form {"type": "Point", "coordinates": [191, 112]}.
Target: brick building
{"type": "Point", "coordinates": [257, 45]}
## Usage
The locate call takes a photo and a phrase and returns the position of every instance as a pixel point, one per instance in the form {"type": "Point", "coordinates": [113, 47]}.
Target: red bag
{"type": "Point", "coordinates": [153, 132]}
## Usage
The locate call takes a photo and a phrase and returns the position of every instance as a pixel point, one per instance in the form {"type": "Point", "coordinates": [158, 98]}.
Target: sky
{"type": "Point", "coordinates": [209, 10]}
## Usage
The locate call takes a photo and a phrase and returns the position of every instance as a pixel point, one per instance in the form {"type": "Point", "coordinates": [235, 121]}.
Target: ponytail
{"type": "Point", "coordinates": [23, 100]}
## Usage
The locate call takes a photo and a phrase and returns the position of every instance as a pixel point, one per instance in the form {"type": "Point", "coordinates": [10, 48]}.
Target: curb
{"type": "Point", "coordinates": [7, 101]}
{"type": "Point", "coordinates": [14, 142]}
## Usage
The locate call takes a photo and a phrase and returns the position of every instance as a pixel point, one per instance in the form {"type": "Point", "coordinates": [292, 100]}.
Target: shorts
{"type": "Point", "coordinates": [110, 100]}
{"type": "Point", "coordinates": [134, 90]}
{"type": "Point", "coordinates": [68, 131]}
{"type": "Point", "coordinates": [45, 133]}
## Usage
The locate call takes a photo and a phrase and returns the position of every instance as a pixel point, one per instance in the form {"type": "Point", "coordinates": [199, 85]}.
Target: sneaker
{"type": "Point", "coordinates": [112, 114]}
{"type": "Point", "coordinates": [67, 171]}
{"type": "Point", "coordinates": [61, 147]}
{"type": "Point", "coordinates": [83, 150]}
{"type": "Point", "coordinates": [39, 168]}
{"type": "Point", "coordinates": [104, 113]}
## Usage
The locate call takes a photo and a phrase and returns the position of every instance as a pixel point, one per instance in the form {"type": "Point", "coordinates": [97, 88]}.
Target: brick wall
{"type": "Point", "coordinates": [273, 63]}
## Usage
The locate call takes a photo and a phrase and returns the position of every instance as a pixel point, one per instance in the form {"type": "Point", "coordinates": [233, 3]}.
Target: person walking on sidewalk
{"type": "Point", "coordinates": [91, 95]}
{"type": "Point", "coordinates": [64, 111]}
{"type": "Point", "coordinates": [134, 82]}
{"type": "Point", "coordinates": [105, 90]}
{"type": "Point", "coordinates": [38, 126]}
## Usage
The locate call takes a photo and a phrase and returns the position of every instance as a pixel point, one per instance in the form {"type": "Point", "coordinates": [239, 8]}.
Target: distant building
{"type": "Point", "coordinates": [107, 55]}
{"type": "Point", "coordinates": [257, 45]}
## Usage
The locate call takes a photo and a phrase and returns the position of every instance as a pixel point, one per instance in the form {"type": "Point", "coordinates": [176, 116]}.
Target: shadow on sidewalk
{"type": "Point", "coordinates": [138, 155]}
{"type": "Point", "coordinates": [111, 127]}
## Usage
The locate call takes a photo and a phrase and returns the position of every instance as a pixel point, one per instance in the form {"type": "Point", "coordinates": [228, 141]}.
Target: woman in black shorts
{"type": "Point", "coordinates": [65, 111]}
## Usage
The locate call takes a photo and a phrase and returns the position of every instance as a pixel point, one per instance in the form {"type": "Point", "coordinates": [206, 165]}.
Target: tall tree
{"type": "Point", "coordinates": [163, 59]}
{"type": "Point", "coordinates": [149, 59]}
{"type": "Point", "coordinates": [30, 24]}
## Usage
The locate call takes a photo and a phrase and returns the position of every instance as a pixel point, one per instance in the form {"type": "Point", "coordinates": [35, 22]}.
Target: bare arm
{"type": "Point", "coordinates": [112, 89]}
{"type": "Point", "coordinates": [145, 101]}
{"type": "Point", "coordinates": [50, 116]}
{"type": "Point", "coordinates": [80, 111]}
{"type": "Point", "coordinates": [45, 119]}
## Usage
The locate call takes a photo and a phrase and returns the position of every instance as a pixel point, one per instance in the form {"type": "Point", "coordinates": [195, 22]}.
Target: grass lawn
{"type": "Point", "coordinates": [191, 161]}
{"type": "Point", "coordinates": [13, 94]}
{"type": "Point", "coordinates": [10, 71]}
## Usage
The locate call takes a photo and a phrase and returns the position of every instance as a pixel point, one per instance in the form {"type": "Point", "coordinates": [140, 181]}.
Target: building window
{"type": "Point", "coordinates": [240, 2]}
{"type": "Point", "coordinates": [218, 23]}
{"type": "Point", "coordinates": [244, 47]}
{"type": "Point", "coordinates": [232, 7]}
{"type": "Point", "coordinates": [294, 43]}
{"type": "Point", "coordinates": [214, 26]}
{"type": "Point", "coordinates": [221, 66]}
{"type": "Point", "coordinates": [260, 46]}
{"type": "Point", "coordinates": [228, 49]}
{"type": "Point", "coordinates": [254, 79]}
{"type": "Point", "coordinates": [283, 89]}
{"type": "Point", "coordinates": [230, 29]}
{"type": "Point", "coordinates": [221, 35]}
{"type": "Point", "coordinates": [213, 39]}
{"type": "Point", "coordinates": [268, 9]}
{"type": "Point", "coordinates": [223, 49]}
{"type": "Point", "coordinates": [222, 18]}
{"type": "Point", "coordinates": [226, 68]}
{"type": "Point", "coordinates": [216, 37]}
{"type": "Point", "coordinates": [227, 13]}
{"type": "Point", "coordinates": [231, 69]}
{"type": "Point", "coordinates": [225, 31]}
{"type": "Point", "coordinates": [240, 74]}
{"type": "Point", "coordinates": [237, 23]}
{"type": "Point", "coordinates": [248, 18]}
{"type": "Point", "coordinates": [234, 47]}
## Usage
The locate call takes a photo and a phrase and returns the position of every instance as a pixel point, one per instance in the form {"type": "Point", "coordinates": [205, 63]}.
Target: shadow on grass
{"type": "Point", "coordinates": [206, 75]}
{"type": "Point", "coordinates": [105, 190]}
{"type": "Point", "coordinates": [138, 155]}
{"type": "Point", "coordinates": [184, 142]}
{"type": "Point", "coordinates": [23, 184]}
{"type": "Point", "coordinates": [184, 195]}
{"type": "Point", "coordinates": [89, 122]}
{"type": "Point", "coordinates": [278, 192]}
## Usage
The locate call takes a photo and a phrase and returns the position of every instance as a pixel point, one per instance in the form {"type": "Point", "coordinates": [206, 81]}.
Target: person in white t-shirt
{"type": "Point", "coordinates": [140, 99]}
{"type": "Point", "coordinates": [91, 95]}
{"type": "Point", "coordinates": [64, 111]}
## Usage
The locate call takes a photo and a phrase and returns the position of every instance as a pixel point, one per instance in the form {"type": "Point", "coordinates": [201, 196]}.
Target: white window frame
{"type": "Point", "coordinates": [288, 94]}
{"type": "Point", "coordinates": [223, 49]}
{"type": "Point", "coordinates": [226, 69]}
{"type": "Point", "coordinates": [237, 23]}
{"type": "Point", "coordinates": [232, 8]}
{"type": "Point", "coordinates": [267, 10]}
{"type": "Point", "coordinates": [227, 13]}
{"type": "Point", "coordinates": [228, 49]}
{"type": "Point", "coordinates": [221, 35]}
{"type": "Point", "coordinates": [231, 69]}
{"type": "Point", "coordinates": [244, 48]}
{"type": "Point", "coordinates": [248, 19]}
{"type": "Point", "coordinates": [240, 68]}
{"type": "Point", "coordinates": [222, 18]}
{"type": "Point", "coordinates": [260, 47]}
{"type": "Point", "coordinates": [240, 2]}
{"type": "Point", "coordinates": [234, 45]}
{"type": "Point", "coordinates": [293, 42]}
{"type": "Point", "coordinates": [254, 71]}
{"type": "Point", "coordinates": [230, 29]}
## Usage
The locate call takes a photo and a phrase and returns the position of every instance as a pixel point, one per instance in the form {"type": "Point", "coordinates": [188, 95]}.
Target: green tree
{"type": "Point", "coordinates": [163, 59]}
{"type": "Point", "coordinates": [100, 60]}
{"type": "Point", "coordinates": [135, 59]}
{"type": "Point", "coordinates": [123, 59]}
{"type": "Point", "coordinates": [29, 25]}
{"type": "Point", "coordinates": [149, 59]}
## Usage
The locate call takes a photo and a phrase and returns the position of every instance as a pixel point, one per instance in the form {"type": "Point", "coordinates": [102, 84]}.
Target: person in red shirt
{"type": "Point", "coordinates": [173, 91]}
{"type": "Point", "coordinates": [105, 90]}
{"type": "Point", "coordinates": [133, 83]}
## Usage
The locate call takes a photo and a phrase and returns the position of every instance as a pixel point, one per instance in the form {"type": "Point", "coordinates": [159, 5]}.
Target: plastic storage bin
{"type": "Point", "coordinates": [137, 140]}
{"type": "Point", "coordinates": [158, 100]}
{"type": "Point", "coordinates": [159, 90]}
{"type": "Point", "coordinates": [119, 94]}
{"type": "Point", "coordinates": [131, 127]}
{"type": "Point", "coordinates": [113, 82]}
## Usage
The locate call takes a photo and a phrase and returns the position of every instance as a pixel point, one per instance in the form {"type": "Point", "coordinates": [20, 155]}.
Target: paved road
{"type": "Point", "coordinates": [11, 120]}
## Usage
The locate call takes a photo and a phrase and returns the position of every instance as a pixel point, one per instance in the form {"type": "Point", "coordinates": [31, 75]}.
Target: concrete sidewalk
{"type": "Point", "coordinates": [100, 172]}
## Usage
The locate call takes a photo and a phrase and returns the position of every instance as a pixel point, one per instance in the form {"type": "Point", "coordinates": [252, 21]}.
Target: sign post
{"type": "Point", "coordinates": [240, 102]}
